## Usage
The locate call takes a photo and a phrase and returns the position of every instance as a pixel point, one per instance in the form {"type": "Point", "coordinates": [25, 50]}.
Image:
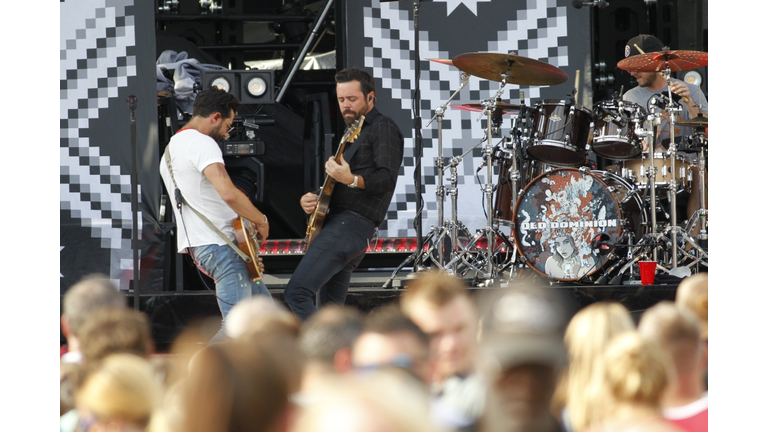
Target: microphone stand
{"type": "Point", "coordinates": [417, 222]}
{"type": "Point", "coordinates": [132, 104]}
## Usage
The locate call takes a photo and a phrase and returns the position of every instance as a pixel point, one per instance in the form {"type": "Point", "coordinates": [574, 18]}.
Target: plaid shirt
{"type": "Point", "coordinates": [377, 161]}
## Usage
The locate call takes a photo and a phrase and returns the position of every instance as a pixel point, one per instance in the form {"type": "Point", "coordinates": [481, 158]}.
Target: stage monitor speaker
{"type": "Point", "coordinates": [247, 174]}
{"type": "Point", "coordinates": [249, 86]}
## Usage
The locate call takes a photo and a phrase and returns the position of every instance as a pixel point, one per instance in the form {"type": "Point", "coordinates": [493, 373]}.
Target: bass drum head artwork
{"type": "Point", "coordinates": [559, 217]}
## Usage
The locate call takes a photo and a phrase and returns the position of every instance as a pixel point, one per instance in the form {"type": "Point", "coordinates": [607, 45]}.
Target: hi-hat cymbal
{"type": "Point", "coordinates": [698, 121]}
{"type": "Point", "coordinates": [522, 70]}
{"type": "Point", "coordinates": [505, 108]}
{"type": "Point", "coordinates": [657, 61]}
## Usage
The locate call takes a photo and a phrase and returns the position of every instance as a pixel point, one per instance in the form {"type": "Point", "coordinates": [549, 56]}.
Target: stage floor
{"type": "Point", "coordinates": [170, 312]}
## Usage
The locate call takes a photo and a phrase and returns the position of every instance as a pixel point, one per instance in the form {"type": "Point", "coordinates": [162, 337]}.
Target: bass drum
{"type": "Point", "coordinates": [562, 214]}
{"type": "Point", "coordinates": [504, 194]}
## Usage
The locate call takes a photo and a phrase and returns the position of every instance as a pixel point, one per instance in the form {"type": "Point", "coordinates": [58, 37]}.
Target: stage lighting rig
{"type": "Point", "coordinates": [250, 86]}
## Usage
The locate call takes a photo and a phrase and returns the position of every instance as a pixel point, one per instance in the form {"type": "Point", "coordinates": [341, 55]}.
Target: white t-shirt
{"type": "Point", "coordinates": [191, 152]}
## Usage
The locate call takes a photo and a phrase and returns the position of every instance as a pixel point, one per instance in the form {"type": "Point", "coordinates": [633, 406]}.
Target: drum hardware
{"type": "Point", "coordinates": [489, 232]}
{"type": "Point", "coordinates": [666, 62]}
{"type": "Point", "coordinates": [439, 232]}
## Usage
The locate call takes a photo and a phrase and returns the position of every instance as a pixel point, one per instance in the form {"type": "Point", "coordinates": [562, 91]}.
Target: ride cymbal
{"type": "Point", "coordinates": [522, 70]}
{"type": "Point", "coordinates": [657, 61]}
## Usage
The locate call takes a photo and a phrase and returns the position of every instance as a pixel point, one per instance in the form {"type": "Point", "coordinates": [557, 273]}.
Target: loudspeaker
{"type": "Point", "coordinates": [247, 174]}
{"type": "Point", "coordinates": [250, 86]}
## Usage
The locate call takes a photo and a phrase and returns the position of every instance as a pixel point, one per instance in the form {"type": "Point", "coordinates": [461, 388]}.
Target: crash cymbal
{"type": "Point", "coordinates": [449, 62]}
{"type": "Point", "coordinates": [698, 121]}
{"type": "Point", "coordinates": [522, 70]}
{"type": "Point", "coordinates": [657, 61]}
{"type": "Point", "coordinates": [505, 108]}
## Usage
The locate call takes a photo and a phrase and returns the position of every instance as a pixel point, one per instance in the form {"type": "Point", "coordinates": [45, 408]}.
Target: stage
{"type": "Point", "coordinates": [171, 312]}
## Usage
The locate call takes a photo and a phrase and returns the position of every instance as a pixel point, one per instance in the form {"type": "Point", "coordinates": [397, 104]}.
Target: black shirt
{"type": "Point", "coordinates": [377, 160]}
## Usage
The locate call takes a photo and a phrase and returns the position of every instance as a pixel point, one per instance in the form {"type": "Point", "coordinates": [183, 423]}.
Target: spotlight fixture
{"type": "Point", "coordinates": [692, 77]}
{"type": "Point", "coordinates": [249, 86]}
{"type": "Point", "coordinates": [222, 83]}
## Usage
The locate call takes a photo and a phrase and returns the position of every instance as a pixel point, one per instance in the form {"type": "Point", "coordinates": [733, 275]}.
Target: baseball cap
{"type": "Point", "coordinates": [524, 324]}
{"type": "Point", "coordinates": [647, 43]}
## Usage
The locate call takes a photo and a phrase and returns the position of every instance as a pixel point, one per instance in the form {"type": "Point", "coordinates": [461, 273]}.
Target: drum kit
{"type": "Point", "coordinates": [552, 212]}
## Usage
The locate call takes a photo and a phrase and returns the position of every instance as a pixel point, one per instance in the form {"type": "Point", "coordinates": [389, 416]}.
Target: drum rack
{"type": "Point", "coordinates": [568, 223]}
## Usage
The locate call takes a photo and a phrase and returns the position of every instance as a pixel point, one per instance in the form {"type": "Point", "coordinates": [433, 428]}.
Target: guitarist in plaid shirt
{"type": "Point", "coordinates": [365, 181]}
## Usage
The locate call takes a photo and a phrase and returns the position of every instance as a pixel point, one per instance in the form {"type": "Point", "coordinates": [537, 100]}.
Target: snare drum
{"type": "Point", "coordinates": [614, 131]}
{"type": "Point", "coordinates": [560, 133]}
{"type": "Point", "coordinates": [637, 171]}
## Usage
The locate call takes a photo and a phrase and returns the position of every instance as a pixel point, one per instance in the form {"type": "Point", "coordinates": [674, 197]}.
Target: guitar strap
{"type": "Point", "coordinates": [350, 151]}
{"type": "Point", "coordinates": [180, 199]}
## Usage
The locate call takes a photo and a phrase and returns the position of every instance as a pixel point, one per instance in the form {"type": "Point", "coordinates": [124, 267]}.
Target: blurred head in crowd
{"type": "Point", "coordinates": [240, 386]}
{"type": "Point", "coordinates": [326, 338]}
{"type": "Point", "coordinates": [384, 400]}
{"type": "Point", "coordinates": [692, 294]}
{"type": "Point", "coordinates": [119, 393]}
{"type": "Point", "coordinates": [116, 330]}
{"type": "Point", "coordinates": [391, 340]}
{"type": "Point", "coordinates": [260, 315]}
{"type": "Point", "coordinates": [441, 306]}
{"type": "Point", "coordinates": [88, 295]}
{"type": "Point", "coordinates": [522, 354]}
{"type": "Point", "coordinates": [632, 376]}
{"type": "Point", "coordinates": [586, 337]}
{"type": "Point", "coordinates": [676, 331]}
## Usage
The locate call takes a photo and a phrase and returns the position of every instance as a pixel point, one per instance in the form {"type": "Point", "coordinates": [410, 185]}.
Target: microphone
{"type": "Point", "coordinates": [601, 4]}
{"type": "Point", "coordinates": [132, 102]}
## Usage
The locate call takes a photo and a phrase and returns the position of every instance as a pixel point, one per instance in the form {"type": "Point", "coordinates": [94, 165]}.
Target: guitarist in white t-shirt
{"type": "Point", "coordinates": [197, 171]}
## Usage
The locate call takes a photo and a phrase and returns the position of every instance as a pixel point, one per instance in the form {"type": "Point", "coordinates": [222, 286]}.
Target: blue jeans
{"type": "Point", "coordinates": [328, 263]}
{"type": "Point", "coordinates": [228, 270]}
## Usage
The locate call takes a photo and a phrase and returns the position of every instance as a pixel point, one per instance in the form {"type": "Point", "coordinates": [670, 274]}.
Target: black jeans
{"type": "Point", "coordinates": [328, 263]}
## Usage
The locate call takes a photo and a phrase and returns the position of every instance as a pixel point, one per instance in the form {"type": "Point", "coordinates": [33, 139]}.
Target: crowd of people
{"type": "Point", "coordinates": [441, 358]}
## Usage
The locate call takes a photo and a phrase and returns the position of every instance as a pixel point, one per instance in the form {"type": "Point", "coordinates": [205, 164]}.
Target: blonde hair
{"type": "Point", "coordinates": [692, 294]}
{"type": "Point", "coordinates": [635, 371]}
{"type": "Point", "coordinates": [676, 330]}
{"type": "Point", "coordinates": [121, 386]}
{"type": "Point", "coordinates": [586, 337]}
{"type": "Point", "coordinates": [436, 288]}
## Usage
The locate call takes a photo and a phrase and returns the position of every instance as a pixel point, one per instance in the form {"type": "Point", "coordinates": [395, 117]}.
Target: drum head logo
{"type": "Point", "coordinates": [558, 216]}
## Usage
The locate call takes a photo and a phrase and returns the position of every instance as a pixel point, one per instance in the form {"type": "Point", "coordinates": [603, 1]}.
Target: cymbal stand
{"type": "Point", "coordinates": [672, 160]}
{"type": "Point", "coordinates": [436, 232]}
{"type": "Point", "coordinates": [490, 272]}
{"type": "Point", "coordinates": [701, 213]}
{"type": "Point", "coordinates": [440, 167]}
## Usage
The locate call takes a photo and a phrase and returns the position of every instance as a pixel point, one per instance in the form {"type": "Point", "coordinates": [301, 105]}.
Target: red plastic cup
{"type": "Point", "coordinates": [647, 272]}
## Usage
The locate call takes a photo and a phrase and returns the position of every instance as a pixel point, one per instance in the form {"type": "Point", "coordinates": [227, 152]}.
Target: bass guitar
{"type": "Point", "coordinates": [247, 240]}
{"type": "Point", "coordinates": [317, 219]}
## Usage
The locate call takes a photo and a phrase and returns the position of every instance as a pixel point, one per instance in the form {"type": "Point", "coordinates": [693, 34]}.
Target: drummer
{"type": "Point", "coordinates": [653, 83]}
{"type": "Point", "coordinates": [691, 97]}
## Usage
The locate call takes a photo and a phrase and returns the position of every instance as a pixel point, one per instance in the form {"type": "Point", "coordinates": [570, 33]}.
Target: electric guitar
{"type": "Point", "coordinates": [317, 219]}
{"type": "Point", "coordinates": [247, 240]}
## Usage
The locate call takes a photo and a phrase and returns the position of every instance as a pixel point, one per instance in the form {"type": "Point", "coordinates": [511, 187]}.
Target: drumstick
{"type": "Point", "coordinates": [685, 99]}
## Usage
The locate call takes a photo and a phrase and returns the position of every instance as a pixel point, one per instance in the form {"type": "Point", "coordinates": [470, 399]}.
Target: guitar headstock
{"type": "Point", "coordinates": [353, 130]}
